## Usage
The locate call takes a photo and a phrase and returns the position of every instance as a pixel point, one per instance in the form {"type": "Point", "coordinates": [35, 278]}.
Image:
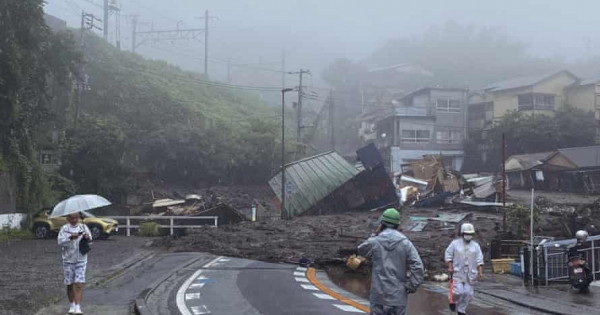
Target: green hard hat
{"type": "Point", "coordinates": [391, 216]}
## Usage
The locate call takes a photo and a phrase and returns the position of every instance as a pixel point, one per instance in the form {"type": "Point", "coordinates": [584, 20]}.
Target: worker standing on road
{"type": "Point", "coordinates": [397, 268]}
{"type": "Point", "coordinates": [74, 261]}
{"type": "Point", "coordinates": [465, 265]}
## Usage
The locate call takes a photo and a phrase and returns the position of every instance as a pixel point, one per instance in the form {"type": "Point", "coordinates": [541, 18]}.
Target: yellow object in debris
{"type": "Point", "coordinates": [354, 262]}
{"type": "Point", "coordinates": [502, 265]}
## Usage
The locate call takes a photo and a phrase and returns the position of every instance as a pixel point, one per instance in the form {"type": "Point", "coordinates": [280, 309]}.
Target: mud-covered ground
{"type": "Point", "coordinates": [326, 239]}
{"type": "Point", "coordinates": [32, 274]}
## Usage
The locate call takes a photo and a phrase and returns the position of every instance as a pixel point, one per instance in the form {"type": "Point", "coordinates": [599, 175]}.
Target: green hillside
{"type": "Point", "coordinates": [143, 119]}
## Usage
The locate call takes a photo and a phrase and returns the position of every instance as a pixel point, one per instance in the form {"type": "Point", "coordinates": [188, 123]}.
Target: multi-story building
{"type": "Point", "coordinates": [428, 121]}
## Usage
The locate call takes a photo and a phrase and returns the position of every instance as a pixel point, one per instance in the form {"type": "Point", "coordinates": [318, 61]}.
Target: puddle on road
{"type": "Point", "coordinates": [425, 301]}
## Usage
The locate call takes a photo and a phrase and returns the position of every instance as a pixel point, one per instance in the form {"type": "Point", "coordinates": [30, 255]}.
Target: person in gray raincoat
{"type": "Point", "coordinates": [397, 269]}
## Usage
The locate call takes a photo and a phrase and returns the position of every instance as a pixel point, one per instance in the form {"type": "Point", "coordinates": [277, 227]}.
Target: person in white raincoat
{"type": "Point", "coordinates": [465, 265]}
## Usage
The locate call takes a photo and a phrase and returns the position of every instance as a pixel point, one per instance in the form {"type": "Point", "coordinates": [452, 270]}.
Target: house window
{"type": "Point", "coordinates": [447, 106]}
{"type": "Point", "coordinates": [415, 136]}
{"type": "Point", "coordinates": [536, 101]}
{"type": "Point", "coordinates": [449, 136]}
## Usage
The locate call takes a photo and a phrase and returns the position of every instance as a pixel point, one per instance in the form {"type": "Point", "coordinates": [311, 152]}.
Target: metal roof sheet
{"type": "Point", "coordinates": [526, 161]}
{"type": "Point", "coordinates": [312, 179]}
{"type": "Point", "coordinates": [583, 156]}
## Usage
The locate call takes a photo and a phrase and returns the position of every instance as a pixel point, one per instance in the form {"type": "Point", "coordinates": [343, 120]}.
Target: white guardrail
{"type": "Point", "coordinates": [171, 226]}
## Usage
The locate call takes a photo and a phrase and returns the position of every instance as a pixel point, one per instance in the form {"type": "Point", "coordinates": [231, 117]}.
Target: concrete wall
{"type": "Point", "coordinates": [11, 221]}
{"type": "Point", "coordinates": [8, 193]}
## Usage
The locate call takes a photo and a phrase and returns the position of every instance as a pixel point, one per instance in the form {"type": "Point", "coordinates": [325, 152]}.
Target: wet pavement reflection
{"type": "Point", "coordinates": [428, 299]}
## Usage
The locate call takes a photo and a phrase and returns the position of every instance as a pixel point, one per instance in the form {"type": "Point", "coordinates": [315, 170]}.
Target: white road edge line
{"type": "Point", "coordinates": [309, 287]}
{"type": "Point", "coordinates": [301, 279]}
{"type": "Point", "coordinates": [181, 292]}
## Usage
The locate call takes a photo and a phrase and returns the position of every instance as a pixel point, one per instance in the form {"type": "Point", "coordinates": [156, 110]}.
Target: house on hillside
{"type": "Point", "coordinates": [569, 170]}
{"type": "Point", "coordinates": [532, 94]}
{"type": "Point", "coordinates": [428, 121]}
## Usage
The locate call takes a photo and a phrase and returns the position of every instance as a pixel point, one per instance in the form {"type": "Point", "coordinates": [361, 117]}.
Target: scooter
{"type": "Point", "coordinates": [578, 274]}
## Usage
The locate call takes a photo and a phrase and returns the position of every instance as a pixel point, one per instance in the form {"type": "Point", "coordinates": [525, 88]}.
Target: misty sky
{"type": "Point", "coordinates": [315, 32]}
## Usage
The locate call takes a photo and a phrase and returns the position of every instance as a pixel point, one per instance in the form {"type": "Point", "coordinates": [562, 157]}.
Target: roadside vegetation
{"type": "Point", "coordinates": [139, 121]}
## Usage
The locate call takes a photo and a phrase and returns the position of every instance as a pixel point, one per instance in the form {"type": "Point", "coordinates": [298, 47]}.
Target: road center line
{"type": "Point", "coordinates": [180, 299]}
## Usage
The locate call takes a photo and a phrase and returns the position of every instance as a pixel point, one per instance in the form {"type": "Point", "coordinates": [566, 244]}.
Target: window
{"type": "Point", "coordinates": [536, 101]}
{"type": "Point", "coordinates": [447, 106]}
{"type": "Point", "coordinates": [415, 136]}
{"type": "Point", "coordinates": [449, 136]}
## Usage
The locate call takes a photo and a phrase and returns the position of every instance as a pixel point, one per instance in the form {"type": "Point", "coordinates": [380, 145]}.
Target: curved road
{"type": "Point", "coordinates": [240, 286]}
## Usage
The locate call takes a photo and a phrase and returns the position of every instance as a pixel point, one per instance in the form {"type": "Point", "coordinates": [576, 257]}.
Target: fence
{"type": "Point", "coordinates": [171, 219]}
{"type": "Point", "coordinates": [551, 259]}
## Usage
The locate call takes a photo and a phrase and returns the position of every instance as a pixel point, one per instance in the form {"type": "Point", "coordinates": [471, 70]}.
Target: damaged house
{"type": "Point", "coordinates": [569, 170]}
{"type": "Point", "coordinates": [327, 183]}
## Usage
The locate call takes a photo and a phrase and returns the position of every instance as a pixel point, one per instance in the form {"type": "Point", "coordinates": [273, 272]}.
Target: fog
{"type": "Point", "coordinates": [314, 33]}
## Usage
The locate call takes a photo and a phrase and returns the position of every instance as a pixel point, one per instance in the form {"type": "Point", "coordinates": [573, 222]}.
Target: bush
{"type": "Point", "coordinates": [519, 217]}
{"type": "Point", "coordinates": [149, 228]}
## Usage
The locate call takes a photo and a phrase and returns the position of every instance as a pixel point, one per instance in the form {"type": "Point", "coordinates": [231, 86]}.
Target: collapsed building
{"type": "Point", "coordinates": [326, 183]}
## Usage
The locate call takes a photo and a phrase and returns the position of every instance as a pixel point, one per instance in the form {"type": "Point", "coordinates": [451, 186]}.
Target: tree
{"type": "Point", "coordinates": [530, 133]}
{"type": "Point", "coordinates": [32, 60]}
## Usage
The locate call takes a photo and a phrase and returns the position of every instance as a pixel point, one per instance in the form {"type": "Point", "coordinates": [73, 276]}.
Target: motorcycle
{"type": "Point", "coordinates": [579, 274]}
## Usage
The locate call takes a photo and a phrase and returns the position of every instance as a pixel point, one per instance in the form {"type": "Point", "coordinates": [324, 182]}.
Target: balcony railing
{"type": "Point", "coordinates": [414, 111]}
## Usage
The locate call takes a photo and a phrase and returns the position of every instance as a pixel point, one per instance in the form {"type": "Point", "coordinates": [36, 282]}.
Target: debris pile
{"type": "Point", "coordinates": [427, 183]}
{"type": "Point", "coordinates": [329, 239]}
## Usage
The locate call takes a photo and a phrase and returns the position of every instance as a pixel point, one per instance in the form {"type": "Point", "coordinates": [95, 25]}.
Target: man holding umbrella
{"type": "Point", "coordinates": [73, 239]}
{"type": "Point", "coordinates": [74, 261]}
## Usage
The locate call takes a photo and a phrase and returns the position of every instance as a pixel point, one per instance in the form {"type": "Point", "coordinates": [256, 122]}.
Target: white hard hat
{"type": "Point", "coordinates": [581, 235]}
{"type": "Point", "coordinates": [467, 228]}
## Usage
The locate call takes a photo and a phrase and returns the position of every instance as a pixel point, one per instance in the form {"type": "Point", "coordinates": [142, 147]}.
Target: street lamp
{"type": "Point", "coordinates": [283, 91]}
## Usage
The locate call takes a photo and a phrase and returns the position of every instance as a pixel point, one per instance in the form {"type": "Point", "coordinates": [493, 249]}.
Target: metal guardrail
{"type": "Point", "coordinates": [171, 226]}
{"type": "Point", "coordinates": [552, 261]}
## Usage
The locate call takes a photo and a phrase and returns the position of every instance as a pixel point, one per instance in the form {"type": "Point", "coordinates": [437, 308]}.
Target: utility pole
{"type": "Point", "coordinates": [206, 43]}
{"type": "Point", "coordinates": [283, 68]}
{"type": "Point", "coordinates": [133, 31]}
{"type": "Point", "coordinates": [283, 208]}
{"type": "Point", "coordinates": [206, 20]}
{"type": "Point", "coordinates": [106, 20]}
{"type": "Point", "coordinates": [331, 121]}
{"type": "Point", "coordinates": [503, 183]}
{"type": "Point", "coordinates": [299, 108]}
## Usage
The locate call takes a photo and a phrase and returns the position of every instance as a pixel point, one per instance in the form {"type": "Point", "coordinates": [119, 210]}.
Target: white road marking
{"type": "Point", "coordinates": [324, 296]}
{"type": "Point", "coordinates": [309, 287]}
{"type": "Point", "coordinates": [198, 310]}
{"type": "Point", "coordinates": [301, 269]}
{"type": "Point", "coordinates": [224, 260]}
{"type": "Point", "coordinates": [299, 274]}
{"type": "Point", "coordinates": [180, 298]}
{"type": "Point", "coordinates": [301, 279]}
{"type": "Point", "coordinates": [196, 285]}
{"type": "Point", "coordinates": [348, 308]}
{"type": "Point", "coordinates": [192, 296]}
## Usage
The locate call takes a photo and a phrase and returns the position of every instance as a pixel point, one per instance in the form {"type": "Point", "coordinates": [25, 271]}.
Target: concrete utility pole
{"type": "Point", "coordinates": [299, 116]}
{"type": "Point", "coordinates": [503, 183]}
{"type": "Point", "coordinates": [331, 121]}
{"type": "Point", "coordinates": [206, 42]}
{"type": "Point", "coordinates": [283, 68]}
{"type": "Point", "coordinates": [283, 208]}
{"type": "Point", "coordinates": [88, 21]}
{"type": "Point", "coordinates": [105, 19]}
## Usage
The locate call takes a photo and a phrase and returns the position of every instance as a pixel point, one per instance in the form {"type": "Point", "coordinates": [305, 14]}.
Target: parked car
{"type": "Point", "coordinates": [100, 227]}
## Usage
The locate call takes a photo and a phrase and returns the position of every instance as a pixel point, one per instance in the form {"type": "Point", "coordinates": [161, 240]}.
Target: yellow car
{"type": "Point", "coordinates": [100, 227]}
